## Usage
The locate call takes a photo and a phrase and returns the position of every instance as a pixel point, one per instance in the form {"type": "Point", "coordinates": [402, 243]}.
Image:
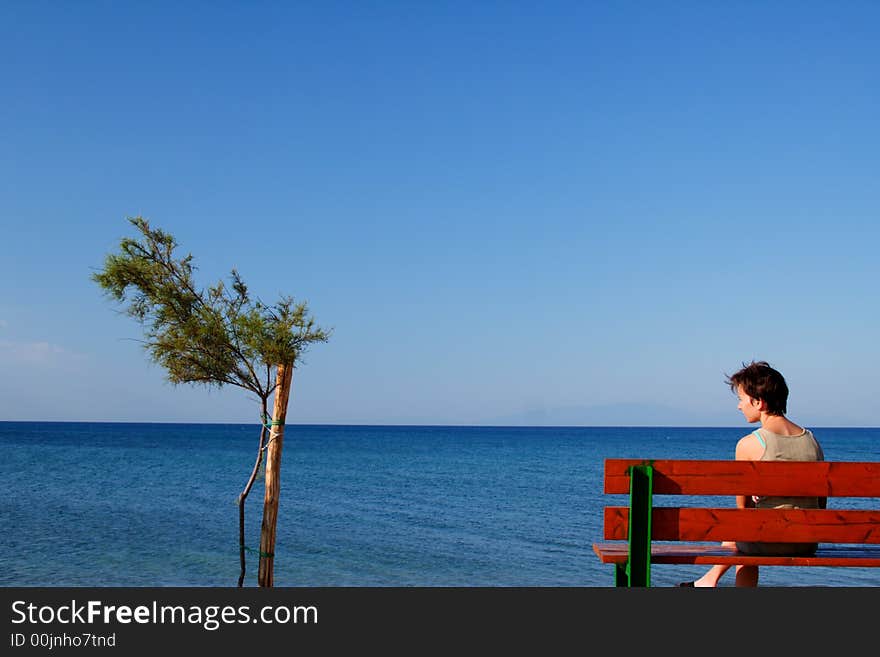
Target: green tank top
{"type": "Point", "coordinates": [803, 447]}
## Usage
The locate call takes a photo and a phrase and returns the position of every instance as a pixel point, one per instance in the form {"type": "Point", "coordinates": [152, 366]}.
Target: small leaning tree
{"type": "Point", "coordinates": [217, 336]}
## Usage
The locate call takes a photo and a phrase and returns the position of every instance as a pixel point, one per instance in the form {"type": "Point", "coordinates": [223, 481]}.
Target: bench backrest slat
{"type": "Point", "coordinates": [768, 525]}
{"type": "Point", "coordinates": [778, 478]}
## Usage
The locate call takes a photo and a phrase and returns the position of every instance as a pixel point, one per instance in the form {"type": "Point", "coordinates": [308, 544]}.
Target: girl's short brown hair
{"type": "Point", "coordinates": [760, 381]}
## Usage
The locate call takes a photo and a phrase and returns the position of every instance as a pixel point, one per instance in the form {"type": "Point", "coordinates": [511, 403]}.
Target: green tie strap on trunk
{"type": "Point", "coordinates": [271, 423]}
{"type": "Point", "coordinates": [262, 554]}
{"type": "Point", "coordinates": [638, 565]}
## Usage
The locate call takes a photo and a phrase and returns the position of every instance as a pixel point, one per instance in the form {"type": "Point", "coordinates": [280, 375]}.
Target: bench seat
{"type": "Point", "coordinates": [857, 556]}
{"type": "Point", "coordinates": [691, 530]}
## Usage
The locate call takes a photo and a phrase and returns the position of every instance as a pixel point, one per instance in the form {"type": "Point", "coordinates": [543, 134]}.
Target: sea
{"type": "Point", "coordinates": [155, 505]}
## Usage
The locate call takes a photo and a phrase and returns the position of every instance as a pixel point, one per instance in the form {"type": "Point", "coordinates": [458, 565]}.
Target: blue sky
{"type": "Point", "coordinates": [508, 212]}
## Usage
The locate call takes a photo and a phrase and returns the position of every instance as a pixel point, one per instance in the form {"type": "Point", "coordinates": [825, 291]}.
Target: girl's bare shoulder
{"type": "Point", "coordinates": [749, 448]}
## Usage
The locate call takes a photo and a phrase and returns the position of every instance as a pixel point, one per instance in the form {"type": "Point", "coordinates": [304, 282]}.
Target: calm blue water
{"type": "Point", "coordinates": [155, 504]}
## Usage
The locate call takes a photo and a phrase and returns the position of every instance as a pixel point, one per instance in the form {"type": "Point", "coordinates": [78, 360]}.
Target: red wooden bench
{"type": "Point", "coordinates": [637, 532]}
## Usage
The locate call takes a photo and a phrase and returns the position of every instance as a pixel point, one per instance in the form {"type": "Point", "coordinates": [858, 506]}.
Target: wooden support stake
{"type": "Point", "coordinates": [284, 378]}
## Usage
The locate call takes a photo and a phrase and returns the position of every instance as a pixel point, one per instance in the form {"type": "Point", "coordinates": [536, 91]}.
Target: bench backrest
{"type": "Point", "coordinates": [730, 478]}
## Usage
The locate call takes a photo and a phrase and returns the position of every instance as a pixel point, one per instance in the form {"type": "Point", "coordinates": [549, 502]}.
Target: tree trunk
{"type": "Point", "coordinates": [242, 498]}
{"type": "Point", "coordinates": [284, 377]}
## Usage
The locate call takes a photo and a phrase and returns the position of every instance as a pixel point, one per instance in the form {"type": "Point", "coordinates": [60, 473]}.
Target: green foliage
{"type": "Point", "coordinates": [214, 336]}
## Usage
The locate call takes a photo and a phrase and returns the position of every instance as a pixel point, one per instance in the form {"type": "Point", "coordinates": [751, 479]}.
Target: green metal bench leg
{"type": "Point", "coordinates": [640, 507]}
{"type": "Point", "coordinates": [621, 578]}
